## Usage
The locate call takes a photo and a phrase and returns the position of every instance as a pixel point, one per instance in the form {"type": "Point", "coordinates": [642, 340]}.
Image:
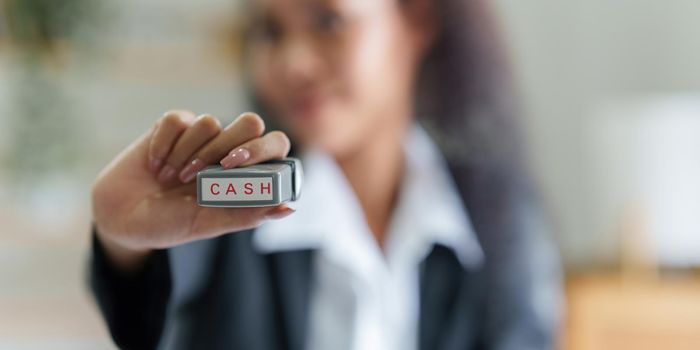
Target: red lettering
{"type": "Point", "coordinates": [248, 188]}
{"type": "Point", "coordinates": [231, 189]}
{"type": "Point", "coordinates": [211, 188]}
{"type": "Point", "coordinates": [264, 188]}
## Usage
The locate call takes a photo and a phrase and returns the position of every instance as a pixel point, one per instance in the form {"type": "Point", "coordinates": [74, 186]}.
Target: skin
{"type": "Point", "coordinates": [340, 76]}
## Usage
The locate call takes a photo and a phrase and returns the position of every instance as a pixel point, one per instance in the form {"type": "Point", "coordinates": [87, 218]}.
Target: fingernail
{"type": "Point", "coordinates": [154, 163]}
{"type": "Point", "coordinates": [278, 213]}
{"type": "Point", "coordinates": [167, 173]}
{"type": "Point", "coordinates": [190, 171]}
{"type": "Point", "coordinates": [235, 158]}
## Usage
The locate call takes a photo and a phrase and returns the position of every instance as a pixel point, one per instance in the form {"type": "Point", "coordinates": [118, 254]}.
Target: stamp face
{"type": "Point", "coordinates": [237, 189]}
{"type": "Point", "coordinates": [263, 184]}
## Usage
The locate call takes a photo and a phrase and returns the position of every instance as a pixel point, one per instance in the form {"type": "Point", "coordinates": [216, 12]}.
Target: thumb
{"type": "Point", "coordinates": [212, 222]}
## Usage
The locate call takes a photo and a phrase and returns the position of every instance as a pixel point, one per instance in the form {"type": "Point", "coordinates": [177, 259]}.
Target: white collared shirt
{"type": "Point", "coordinates": [363, 298]}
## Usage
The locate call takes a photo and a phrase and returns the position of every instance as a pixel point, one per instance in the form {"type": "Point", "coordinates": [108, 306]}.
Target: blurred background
{"type": "Point", "coordinates": [611, 104]}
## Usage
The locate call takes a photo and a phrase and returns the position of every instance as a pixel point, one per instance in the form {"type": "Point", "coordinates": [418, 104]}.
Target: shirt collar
{"type": "Point", "coordinates": [429, 210]}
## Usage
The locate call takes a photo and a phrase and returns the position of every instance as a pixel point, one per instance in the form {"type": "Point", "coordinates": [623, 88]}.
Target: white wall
{"type": "Point", "coordinates": [575, 58]}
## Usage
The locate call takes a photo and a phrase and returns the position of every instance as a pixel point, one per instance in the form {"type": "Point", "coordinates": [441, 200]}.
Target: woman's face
{"type": "Point", "coordinates": [337, 72]}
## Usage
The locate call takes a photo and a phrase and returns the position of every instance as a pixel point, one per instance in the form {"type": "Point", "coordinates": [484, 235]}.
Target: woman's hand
{"type": "Point", "coordinates": [146, 199]}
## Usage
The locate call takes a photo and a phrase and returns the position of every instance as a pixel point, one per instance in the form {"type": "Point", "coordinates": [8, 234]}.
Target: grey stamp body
{"type": "Point", "coordinates": [259, 185]}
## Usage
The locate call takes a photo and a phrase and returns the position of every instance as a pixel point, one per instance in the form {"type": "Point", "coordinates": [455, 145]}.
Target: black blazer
{"type": "Point", "coordinates": [223, 294]}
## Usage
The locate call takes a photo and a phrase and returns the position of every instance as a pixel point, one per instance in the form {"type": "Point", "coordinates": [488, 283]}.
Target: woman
{"type": "Point", "coordinates": [417, 228]}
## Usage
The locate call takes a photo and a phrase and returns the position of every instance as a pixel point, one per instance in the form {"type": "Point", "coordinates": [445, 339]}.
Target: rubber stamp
{"type": "Point", "coordinates": [259, 185]}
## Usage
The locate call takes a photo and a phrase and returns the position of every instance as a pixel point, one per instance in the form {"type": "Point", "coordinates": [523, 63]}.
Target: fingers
{"type": "Point", "coordinates": [246, 127]}
{"type": "Point", "coordinates": [181, 149]}
{"type": "Point", "coordinates": [202, 130]}
{"type": "Point", "coordinates": [167, 130]}
{"type": "Point", "coordinates": [274, 145]}
{"type": "Point", "coordinates": [182, 145]}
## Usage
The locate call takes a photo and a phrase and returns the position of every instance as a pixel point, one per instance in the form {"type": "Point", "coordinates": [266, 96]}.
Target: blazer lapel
{"type": "Point", "coordinates": [441, 278]}
{"type": "Point", "coordinates": [291, 279]}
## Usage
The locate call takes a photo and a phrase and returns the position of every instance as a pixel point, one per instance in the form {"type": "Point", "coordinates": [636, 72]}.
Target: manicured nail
{"type": "Point", "coordinates": [167, 173]}
{"type": "Point", "coordinates": [154, 163]}
{"type": "Point", "coordinates": [190, 171]}
{"type": "Point", "coordinates": [278, 213]}
{"type": "Point", "coordinates": [235, 158]}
